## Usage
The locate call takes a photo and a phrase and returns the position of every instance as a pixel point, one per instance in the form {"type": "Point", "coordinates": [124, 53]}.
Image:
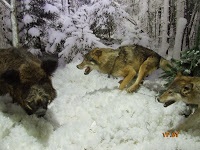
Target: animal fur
{"type": "Point", "coordinates": [186, 89]}
{"type": "Point", "coordinates": [27, 79]}
{"type": "Point", "coordinates": [126, 61]}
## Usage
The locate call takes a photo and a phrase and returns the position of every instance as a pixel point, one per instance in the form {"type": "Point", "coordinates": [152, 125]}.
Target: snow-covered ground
{"type": "Point", "coordinates": [90, 113]}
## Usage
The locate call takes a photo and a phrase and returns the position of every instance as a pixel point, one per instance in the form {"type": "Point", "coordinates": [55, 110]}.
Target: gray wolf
{"type": "Point", "coordinates": [126, 61]}
{"type": "Point", "coordinates": [186, 89]}
{"type": "Point", "coordinates": [27, 79]}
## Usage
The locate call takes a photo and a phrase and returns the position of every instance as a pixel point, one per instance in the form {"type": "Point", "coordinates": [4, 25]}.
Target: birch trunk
{"type": "Point", "coordinates": [12, 7]}
{"type": "Point", "coordinates": [65, 6]}
{"type": "Point", "coordinates": [165, 23]}
{"type": "Point", "coordinates": [181, 24]}
{"type": "Point", "coordinates": [3, 43]}
{"type": "Point", "coordinates": [180, 9]}
{"type": "Point", "coordinates": [15, 37]}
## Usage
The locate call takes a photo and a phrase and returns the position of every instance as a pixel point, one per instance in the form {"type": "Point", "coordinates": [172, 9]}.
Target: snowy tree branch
{"type": "Point", "coordinates": [131, 21]}
{"type": "Point", "coordinates": [6, 3]}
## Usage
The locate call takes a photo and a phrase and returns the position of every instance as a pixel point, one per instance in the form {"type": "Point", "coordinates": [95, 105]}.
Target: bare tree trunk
{"type": "Point", "coordinates": [197, 42]}
{"type": "Point", "coordinates": [12, 7]}
{"type": "Point", "coordinates": [69, 5]}
{"type": "Point", "coordinates": [165, 23]}
{"type": "Point", "coordinates": [3, 43]}
{"type": "Point", "coordinates": [180, 9]}
{"type": "Point", "coordinates": [14, 24]}
{"type": "Point", "coordinates": [181, 24]}
{"type": "Point", "coordinates": [65, 5]}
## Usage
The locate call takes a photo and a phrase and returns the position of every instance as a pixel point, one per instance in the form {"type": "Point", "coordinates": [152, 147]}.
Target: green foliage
{"type": "Point", "coordinates": [189, 64]}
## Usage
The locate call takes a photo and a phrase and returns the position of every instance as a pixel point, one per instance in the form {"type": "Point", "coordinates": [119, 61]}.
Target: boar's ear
{"type": "Point", "coordinates": [11, 76]}
{"type": "Point", "coordinates": [187, 88]}
{"type": "Point", "coordinates": [49, 66]}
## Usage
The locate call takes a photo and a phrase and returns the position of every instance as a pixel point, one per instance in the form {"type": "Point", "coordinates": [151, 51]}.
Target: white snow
{"type": "Point", "coordinates": [51, 8]}
{"type": "Point", "coordinates": [27, 19]}
{"type": "Point", "coordinates": [34, 32]}
{"type": "Point", "coordinates": [90, 113]}
{"type": "Point", "coordinates": [35, 51]}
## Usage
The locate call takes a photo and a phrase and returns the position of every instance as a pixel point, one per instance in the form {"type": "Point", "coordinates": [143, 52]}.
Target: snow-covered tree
{"type": "Point", "coordinates": [96, 22]}
{"type": "Point", "coordinates": [38, 17]}
{"type": "Point", "coordinates": [78, 35]}
{"type": "Point", "coordinates": [159, 18]}
{"type": "Point", "coordinates": [72, 26]}
{"type": "Point", "coordinates": [13, 18]}
{"type": "Point", "coordinates": [108, 19]}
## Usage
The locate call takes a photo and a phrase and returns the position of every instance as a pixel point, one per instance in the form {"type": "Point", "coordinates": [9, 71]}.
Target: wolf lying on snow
{"type": "Point", "coordinates": [27, 79]}
{"type": "Point", "coordinates": [186, 89]}
{"type": "Point", "coordinates": [126, 61]}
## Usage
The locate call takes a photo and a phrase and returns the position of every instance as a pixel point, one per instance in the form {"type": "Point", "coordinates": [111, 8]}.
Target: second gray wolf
{"type": "Point", "coordinates": [126, 61]}
{"type": "Point", "coordinates": [187, 90]}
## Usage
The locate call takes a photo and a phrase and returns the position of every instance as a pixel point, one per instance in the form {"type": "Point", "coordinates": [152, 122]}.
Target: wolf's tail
{"type": "Point", "coordinates": [165, 64]}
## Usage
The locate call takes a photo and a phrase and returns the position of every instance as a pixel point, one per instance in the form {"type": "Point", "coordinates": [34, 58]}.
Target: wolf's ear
{"type": "Point", "coordinates": [187, 88]}
{"type": "Point", "coordinates": [98, 53]}
{"type": "Point", "coordinates": [49, 66]}
{"type": "Point", "coordinates": [11, 76]}
{"type": "Point", "coordinates": [178, 74]}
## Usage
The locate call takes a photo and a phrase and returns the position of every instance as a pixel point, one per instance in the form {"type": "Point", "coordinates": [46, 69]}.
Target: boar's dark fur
{"type": "Point", "coordinates": [27, 79]}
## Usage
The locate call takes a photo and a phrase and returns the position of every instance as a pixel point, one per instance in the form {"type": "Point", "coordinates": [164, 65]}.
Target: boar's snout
{"type": "Point", "coordinates": [38, 100]}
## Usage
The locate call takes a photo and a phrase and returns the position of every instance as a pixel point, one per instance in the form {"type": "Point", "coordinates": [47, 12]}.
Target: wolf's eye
{"type": "Point", "coordinates": [92, 61]}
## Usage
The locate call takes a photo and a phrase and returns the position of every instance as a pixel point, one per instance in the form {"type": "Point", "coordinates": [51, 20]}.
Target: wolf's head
{"type": "Point", "coordinates": [90, 61]}
{"type": "Point", "coordinates": [181, 89]}
{"type": "Point", "coordinates": [31, 85]}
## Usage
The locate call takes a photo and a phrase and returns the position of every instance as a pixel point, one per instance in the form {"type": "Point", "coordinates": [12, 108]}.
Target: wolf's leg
{"type": "Point", "coordinates": [129, 75]}
{"type": "Point", "coordinates": [146, 68]}
{"type": "Point", "coordinates": [192, 122]}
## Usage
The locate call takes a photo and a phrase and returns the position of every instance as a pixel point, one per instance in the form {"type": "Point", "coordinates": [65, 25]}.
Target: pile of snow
{"type": "Point", "coordinates": [90, 113]}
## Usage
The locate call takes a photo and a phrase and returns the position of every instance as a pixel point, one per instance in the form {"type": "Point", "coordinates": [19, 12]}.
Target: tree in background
{"type": "Point", "coordinates": [69, 27]}
{"type": "Point", "coordinates": [109, 20]}
{"type": "Point", "coordinates": [38, 17]}
{"type": "Point", "coordinates": [78, 35]}
{"type": "Point", "coordinates": [13, 18]}
{"type": "Point", "coordinates": [188, 64]}
{"type": "Point", "coordinates": [162, 20]}
{"type": "Point", "coordinates": [89, 26]}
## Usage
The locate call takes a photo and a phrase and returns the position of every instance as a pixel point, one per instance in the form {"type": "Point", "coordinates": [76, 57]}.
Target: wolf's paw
{"type": "Point", "coordinates": [121, 87]}
{"type": "Point", "coordinates": [132, 89]}
{"type": "Point", "coordinates": [129, 90]}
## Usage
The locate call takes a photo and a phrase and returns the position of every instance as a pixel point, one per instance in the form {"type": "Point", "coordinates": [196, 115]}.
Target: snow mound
{"type": "Point", "coordinates": [90, 113]}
